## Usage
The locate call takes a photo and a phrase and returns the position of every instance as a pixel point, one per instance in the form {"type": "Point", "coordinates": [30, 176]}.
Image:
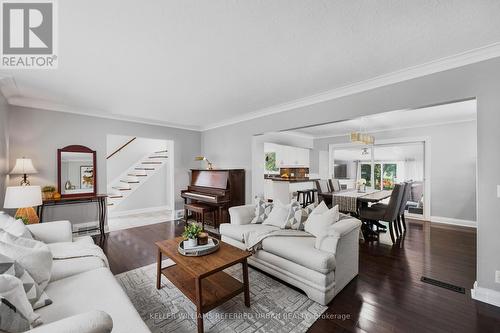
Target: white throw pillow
{"type": "Point", "coordinates": [320, 220]}
{"type": "Point", "coordinates": [13, 295]}
{"type": "Point", "coordinates": [282, 216]}
{"type": "Point", "coordinates": [13, 226]}
{"type": "Point", "coordinates": [32, 255]}
{"type": "Point", "coordinates": [262, 210]}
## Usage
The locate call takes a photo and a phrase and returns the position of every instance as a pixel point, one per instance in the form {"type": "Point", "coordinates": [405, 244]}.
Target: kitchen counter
{"type": "Point", "coordinates": [292, 179]}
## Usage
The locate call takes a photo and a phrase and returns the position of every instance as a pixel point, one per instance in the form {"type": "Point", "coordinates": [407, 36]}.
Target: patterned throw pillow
{"type": "Point", "coordinates": [262, 210]}
{"type": "Point", "coordinates": [301, 216]}
{"type": "Point", "coordinates": [292, 219]}
{"type": "Point", "coordinates": [36, 296]}
{"type": "Point", "coordinates": [283, 216]}
{"type": "Point", "coordinates": [12, 319]}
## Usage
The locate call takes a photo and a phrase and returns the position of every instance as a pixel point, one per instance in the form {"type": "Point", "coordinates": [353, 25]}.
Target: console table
{"type": "Point", "coordinates": [100, 199]}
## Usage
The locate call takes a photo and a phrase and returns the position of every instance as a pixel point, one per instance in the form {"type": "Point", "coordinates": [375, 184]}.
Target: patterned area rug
{"type": "Point", "coordinates": [274, 306]}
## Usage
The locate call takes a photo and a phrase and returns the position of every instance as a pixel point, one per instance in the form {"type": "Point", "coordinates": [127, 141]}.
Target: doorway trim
{"type": "Point", "coordinates": [427, 165]}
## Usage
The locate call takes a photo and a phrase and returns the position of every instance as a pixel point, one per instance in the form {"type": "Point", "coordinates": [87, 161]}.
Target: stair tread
{"type": "Point", "coordinates": [158, 156]}
{"type": "Point", "coordinates": [145, 168]}
{"type": "Point", "coordinates": [122, 188]}
{"type": "Point", "coordinates": [151, 162]}
{"type": "Point", "coordinates": [130, 181]}
{"type": "Point", "coordinates": [115, 196]}
{"type": "Point", "coordinates": [161, 151]}
{"type": "Point", "coordinates": [134, 175]}
{"type": "Point", "coordinates": [111, 204]}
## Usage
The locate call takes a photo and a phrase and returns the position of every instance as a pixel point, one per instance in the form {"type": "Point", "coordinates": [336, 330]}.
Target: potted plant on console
{"type": "Point", "coordinates": [190, 234]}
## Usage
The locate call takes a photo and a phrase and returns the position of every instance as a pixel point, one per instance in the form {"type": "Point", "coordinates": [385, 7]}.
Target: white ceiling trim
{"type": "Point", "coordinates": [442, 123]}
{"type": "Point", "coordinates": [44, 105]}
{"type": "Point", "coordinates": [439, 65]}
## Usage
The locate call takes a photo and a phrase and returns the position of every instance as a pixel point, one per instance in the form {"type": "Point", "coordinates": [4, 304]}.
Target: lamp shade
{"type": "Point", "coordinates": [22, 196]}
{"type": "Point", "coordinates": [23, 166]}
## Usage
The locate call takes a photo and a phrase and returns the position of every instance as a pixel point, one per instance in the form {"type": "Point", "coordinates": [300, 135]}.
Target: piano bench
{"type": "Point", "coordinates": [199, 210]}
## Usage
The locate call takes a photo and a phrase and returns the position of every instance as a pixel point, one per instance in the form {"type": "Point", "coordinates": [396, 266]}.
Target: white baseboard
{"type": "Point", "coordinates": [485, 295]}
{"type": "Point", "coordinates": [87, 225]}
{"type": "Point", "coordinates": [449, 220]}
{"type": "Point", "coordinates": [138, 211]}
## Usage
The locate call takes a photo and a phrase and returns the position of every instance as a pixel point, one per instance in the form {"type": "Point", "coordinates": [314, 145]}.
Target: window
{"type": "Point", "coordinates": [366, 173]}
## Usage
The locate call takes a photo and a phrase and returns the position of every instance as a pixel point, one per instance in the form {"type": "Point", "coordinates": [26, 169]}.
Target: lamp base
{"type": "Point", "coordinates": [28, 214]}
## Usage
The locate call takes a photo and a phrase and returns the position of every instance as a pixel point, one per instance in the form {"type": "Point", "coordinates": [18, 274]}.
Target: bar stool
{"type": "Point", "coordinates": [200, 210]}
{"type": "Point", "coordinates": [307, 197]}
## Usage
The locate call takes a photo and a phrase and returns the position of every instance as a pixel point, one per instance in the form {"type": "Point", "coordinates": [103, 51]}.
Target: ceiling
{"type": "Point", "coordinates": [440, 114]}
{"type": "Point", "coordinates": [200, 64]}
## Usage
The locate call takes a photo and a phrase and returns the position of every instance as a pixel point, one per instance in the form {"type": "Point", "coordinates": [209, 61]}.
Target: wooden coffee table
{"type": "Point", "coordinates": [201, 279]}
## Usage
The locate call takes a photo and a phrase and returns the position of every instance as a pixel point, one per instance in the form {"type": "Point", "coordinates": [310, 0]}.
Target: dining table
{"type": "Point", "coordinates": [351, 200]}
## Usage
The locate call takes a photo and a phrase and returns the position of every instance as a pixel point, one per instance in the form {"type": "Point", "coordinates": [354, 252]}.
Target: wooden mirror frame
{"type": "Point", "coordinates": [76, 149]}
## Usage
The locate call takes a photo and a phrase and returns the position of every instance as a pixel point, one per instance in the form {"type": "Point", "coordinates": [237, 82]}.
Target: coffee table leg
{"type": "Point", "coordinates": [246, 285]}
{"type": "Point", "coordinates": [158, 270]}
{"type": "Point", "coordinates": [199, 312]}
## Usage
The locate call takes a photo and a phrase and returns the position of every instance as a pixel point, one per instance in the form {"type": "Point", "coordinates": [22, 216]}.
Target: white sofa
{"type": "Point", "coordinates": [320, 272]}
{"type": "Point", "coordinates": [86, 296]}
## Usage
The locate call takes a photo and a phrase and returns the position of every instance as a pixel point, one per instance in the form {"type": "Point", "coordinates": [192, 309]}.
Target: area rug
{"type": "Point", "coordinates": [275, 307]}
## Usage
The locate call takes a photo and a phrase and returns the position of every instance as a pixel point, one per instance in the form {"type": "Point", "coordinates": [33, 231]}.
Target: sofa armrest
{"type": "Point", "coordinates": [88, 322]}
{"type": "Point", "coordinates": [52, 232]}
{"type": "Point", "coordinates": [242, 214]}
{"type": "Point", "coordinates": [330, 240]}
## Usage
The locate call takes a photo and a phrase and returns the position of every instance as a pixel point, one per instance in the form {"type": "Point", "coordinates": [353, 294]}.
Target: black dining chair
{"type": "Point", "coordinates": [387, 213]}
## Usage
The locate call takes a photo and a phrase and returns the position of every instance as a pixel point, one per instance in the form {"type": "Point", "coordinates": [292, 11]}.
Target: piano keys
{"type": "Point", "coordinates": [223, 188]}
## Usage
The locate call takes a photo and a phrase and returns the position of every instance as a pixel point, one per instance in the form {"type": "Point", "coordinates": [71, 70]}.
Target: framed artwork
{"type": "Point", "coordinates": [86, 176]}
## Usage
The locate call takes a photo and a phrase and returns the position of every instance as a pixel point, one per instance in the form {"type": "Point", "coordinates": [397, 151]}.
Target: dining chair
{"type": "Point", "coordinates": [323, 188]}
{"type": "Point", "coordinates": [387, 213]}
{"type": "Point", "coordinates": [334, 185]}
{"type": "Point", "coordinates": [402, 209]}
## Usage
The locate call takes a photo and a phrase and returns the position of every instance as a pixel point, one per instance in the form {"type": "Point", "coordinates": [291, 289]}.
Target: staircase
{"type": "Point", "coordinates": [134, 177]}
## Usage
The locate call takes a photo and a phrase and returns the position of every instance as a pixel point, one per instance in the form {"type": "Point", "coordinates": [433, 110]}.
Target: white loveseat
{"type": "Point", "coordinates": [86, 296]}
{"type": "Point", "coordinates": [319, 267]}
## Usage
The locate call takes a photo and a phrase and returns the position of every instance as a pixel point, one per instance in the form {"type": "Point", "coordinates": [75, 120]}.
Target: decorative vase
{"type": "Point", "coordinates": [191, 242]}
{"type": "Point", "coordinates": [203, 238]}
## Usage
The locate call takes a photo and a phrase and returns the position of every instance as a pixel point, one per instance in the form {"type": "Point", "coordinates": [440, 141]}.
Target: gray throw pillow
{"type": "Point", "coordinates": [262, 210]}
{"type": "Point", "coordinates": [36, 296]}
{"type": "Point", "coordinates": [11, 319]}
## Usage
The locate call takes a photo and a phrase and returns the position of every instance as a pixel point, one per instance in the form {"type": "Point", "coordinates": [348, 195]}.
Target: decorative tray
{"type": "Point", "coordinates": [201, 252]}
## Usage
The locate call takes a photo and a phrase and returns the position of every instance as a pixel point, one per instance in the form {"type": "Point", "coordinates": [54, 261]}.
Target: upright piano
{"type": "Point", "coordinates": [223, 188]}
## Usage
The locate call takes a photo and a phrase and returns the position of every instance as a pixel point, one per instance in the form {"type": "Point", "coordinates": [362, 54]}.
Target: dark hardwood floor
{"type": "Point", "coordinates": [387, 295]}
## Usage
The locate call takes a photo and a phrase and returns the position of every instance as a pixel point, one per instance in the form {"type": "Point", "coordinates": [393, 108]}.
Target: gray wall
{"type": "Point", "coordinates": [38, 134]}
{"type": "Point", "coordinates": [453, 165]}
{"type": "Point", "coordinates": [230, 146]}
{"type": "Point", "coordinates": [4, 152]}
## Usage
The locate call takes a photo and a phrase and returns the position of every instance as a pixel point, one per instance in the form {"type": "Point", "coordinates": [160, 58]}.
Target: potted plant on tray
{"type": "Point", "coordinates": [190, 234]}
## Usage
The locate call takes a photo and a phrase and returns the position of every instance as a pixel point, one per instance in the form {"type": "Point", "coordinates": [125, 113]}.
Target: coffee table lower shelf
{"type": "Point", "coordinates": [216, 289]}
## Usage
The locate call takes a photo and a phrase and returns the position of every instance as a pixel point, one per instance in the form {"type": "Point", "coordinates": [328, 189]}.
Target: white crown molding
{"type": "Point", "coordinates": [44, 105]}
{"type": "Point", "coordinates": [441, 123]}
{"type": "Point", "coordinates": [485, 295]}
{"type": "Point", "coordinates": [439, 65]}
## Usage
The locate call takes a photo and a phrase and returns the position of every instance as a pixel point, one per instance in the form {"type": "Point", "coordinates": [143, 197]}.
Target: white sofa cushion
{"type": "Point", "coordinates": [88, 322]}
{"type": "Point", "coordinates": [67, 267]}
{"type": "Point", "coordinates": [236, 231]}
{"type": "Point", "coordinates": [300, 250]}
{"type": "Point", "coordinates": [93, 290]}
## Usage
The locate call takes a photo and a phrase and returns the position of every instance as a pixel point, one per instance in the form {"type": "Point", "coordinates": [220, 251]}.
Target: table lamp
{"type": "Point", "coordinates": [24, 166]}
{"type": "Point", "coordinates": [24, 198]}
{"type": "Point", "coordinates": [203, 158]}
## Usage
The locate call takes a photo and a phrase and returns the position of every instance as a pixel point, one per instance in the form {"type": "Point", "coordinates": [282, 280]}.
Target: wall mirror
{"type": "Point", "coordinates": [76, 173]}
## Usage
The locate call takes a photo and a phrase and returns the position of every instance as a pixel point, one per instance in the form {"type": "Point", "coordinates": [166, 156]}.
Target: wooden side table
{"type": "Point", "coordinates": [201, 279]}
